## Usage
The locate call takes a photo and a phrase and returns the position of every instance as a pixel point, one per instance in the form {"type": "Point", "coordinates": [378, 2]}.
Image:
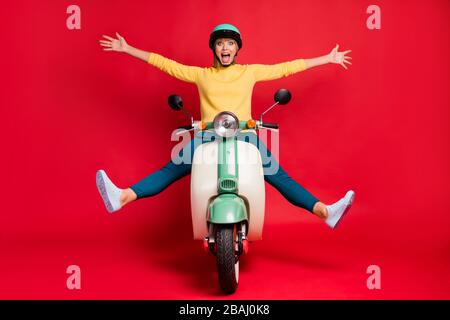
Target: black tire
{"type": "Point", "coordinates": [227, 261]}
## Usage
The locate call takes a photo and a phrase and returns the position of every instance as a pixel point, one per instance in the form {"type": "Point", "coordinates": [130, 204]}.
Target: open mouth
{"type": "Point", "coordinates": [226, 57]}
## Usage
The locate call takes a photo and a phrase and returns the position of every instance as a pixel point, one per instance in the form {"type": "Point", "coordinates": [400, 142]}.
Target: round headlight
{"type": "Point", "coordinates": [226, 124]}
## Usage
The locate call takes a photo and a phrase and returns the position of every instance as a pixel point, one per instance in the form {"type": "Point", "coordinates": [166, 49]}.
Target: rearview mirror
{"type": "Point", "coordinates": [282, 96]}
{"type": "Point", "coordinates": [175, 102]}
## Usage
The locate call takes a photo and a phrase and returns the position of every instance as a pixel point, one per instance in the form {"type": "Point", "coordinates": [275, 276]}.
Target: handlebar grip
{"type": "Point", "coordinates": [270, 125]}
{"type": "Point", "coordinates": [189, 127]}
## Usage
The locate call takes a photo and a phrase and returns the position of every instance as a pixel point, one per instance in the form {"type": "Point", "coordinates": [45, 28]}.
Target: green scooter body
{"type": "Point", "coordinates": [227, 207]}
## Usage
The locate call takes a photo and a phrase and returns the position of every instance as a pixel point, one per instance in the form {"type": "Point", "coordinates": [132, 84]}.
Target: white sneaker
{"type": "Point", "coordinates": [337, 210]}
{"type": "Point", "coordinates": [109, 192]}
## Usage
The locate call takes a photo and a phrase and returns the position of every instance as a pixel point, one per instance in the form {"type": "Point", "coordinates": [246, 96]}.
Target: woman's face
{"type": "Point", "coordinates": [226, 50]}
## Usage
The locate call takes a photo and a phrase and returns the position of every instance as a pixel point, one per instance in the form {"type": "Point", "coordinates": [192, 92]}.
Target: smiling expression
{"type": "Point", "coordinates": [225, 50]}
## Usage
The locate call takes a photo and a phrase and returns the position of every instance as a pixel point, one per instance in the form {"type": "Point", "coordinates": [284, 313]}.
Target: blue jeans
{"type": "Point", "coordinates": [175, 170]}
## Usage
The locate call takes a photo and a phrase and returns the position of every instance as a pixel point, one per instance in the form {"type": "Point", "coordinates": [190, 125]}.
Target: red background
{"type": "Point", "coordinates": [381, 128]}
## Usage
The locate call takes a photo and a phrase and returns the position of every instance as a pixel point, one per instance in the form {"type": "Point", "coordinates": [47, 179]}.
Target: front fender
{"type": "Point", "coordinates": [227, 209]}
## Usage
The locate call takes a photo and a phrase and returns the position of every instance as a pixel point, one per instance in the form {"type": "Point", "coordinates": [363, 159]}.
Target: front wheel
{"type": "Point", "coordinates": [227, 260]}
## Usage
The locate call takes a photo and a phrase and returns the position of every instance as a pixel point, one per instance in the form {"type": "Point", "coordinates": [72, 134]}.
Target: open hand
{"type": "Point", "coordinates": [111, 44]}
{"type": "Point", "coordinates": [339, 57]}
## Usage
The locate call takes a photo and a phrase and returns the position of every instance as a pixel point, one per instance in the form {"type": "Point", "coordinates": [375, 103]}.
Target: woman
{"type": "Point", "coordinates": [229, 84]}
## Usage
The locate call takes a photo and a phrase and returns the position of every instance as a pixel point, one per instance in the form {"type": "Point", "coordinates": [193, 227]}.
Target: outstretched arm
{"type": "Point", "coordinates": [333, 57]}
{"type": "Point", "coordinates": [276, 71]}
{"type": "Point", "coordinates": [120, 45]}
{"type": "Point", "coordinates": [173, 68]}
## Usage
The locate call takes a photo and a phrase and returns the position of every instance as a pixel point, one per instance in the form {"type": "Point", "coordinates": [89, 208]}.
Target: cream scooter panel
{"type": "Point", "coordinates": [251, 187]}
{"type": "Point", "coordinates": [204, 186]}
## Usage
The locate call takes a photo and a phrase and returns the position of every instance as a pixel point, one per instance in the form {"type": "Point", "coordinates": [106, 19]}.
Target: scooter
{"type": "Point", "coordinates": [227, 188]}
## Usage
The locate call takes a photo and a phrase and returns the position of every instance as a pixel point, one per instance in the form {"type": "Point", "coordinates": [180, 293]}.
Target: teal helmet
{"type": "Point", "coordinates": [225, 30]}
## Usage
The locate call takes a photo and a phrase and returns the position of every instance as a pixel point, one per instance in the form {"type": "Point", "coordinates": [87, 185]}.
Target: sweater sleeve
{"type": "Point", "coordinates": [264, 72]}
{"type": "Point", "coordinates": [173, 68]}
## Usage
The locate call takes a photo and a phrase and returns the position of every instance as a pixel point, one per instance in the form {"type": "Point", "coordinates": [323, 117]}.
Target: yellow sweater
{"type": "Point", "coordinates": [226, 89]}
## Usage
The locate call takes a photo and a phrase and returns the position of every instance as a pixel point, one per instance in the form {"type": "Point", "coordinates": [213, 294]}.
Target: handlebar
{"type": "Point", "coordinates": [188, 127]}
{"type": "Point", "coordinates": [269, 125]}
{"type": "Point", "coordinates": [243, 125]}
